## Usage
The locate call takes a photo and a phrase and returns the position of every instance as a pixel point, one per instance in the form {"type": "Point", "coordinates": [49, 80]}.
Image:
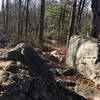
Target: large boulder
{"type": "Point", "coordinates": [83, 55]}
{"type": "Point", "coordinates": [25, 76]}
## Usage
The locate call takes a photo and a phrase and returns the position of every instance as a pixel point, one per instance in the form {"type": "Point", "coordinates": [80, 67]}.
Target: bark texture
{"type": "Point", "coordinates": [96, 18]}
{"type": "Point", "coordinates": [41, 23]}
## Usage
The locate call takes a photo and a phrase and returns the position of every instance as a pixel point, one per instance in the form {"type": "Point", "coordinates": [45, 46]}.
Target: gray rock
{"type": "Point", "coordinates": [74, 45]}
{"type": "Point", "coordinates": [87, 91]}
{"type": "Point", "coordinates": [84, 56]}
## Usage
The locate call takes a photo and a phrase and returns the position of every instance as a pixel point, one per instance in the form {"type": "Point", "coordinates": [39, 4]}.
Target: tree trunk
{"type": "Point", "coordinates": [7, 15]}
{"type": "Point", "coordinates": [60, 21]}
{"type": "Point", "coordinates": [41, 23]}
{"type": "Point", "coordinates": [19, 19]}
{"type": "Point", "coordinates": [81, 12]}
{"type": "Point", "coordinates": [72, 24]}
{"type": "Point", "coordinates": [27, 16]}
{"type": "Point", "coordinates": [96, 18]}
{"type": "Point", "coordinates": [22, 20]}
{"type": "Point", "coordinates": [79, 15]}
{"type": "Point", "coordinates": [63, 16]}
{"type": "Point", "coordinates": [3, 15]}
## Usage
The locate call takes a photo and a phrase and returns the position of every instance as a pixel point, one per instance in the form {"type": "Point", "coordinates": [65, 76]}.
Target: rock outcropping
{"type": "Point", "coordinates": [25, 76]}
{"type": "Point", "coordinates": [83, 55]}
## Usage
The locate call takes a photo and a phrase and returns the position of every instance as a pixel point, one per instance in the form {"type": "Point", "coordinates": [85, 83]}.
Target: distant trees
{"type": "Point", "coordinates": [57, 18]}
{"type": "Point", "coordinates": [15, 16]}
{"type": "Point", "coordinates": [41, 19]}
{"type": "Point", "coordinates": [77, 11]}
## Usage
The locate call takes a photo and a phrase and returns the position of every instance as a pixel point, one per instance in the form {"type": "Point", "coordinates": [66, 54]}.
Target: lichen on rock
{"type": "Point", "coordinates": [83, 55]}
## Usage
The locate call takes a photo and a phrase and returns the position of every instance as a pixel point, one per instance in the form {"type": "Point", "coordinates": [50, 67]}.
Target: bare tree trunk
{"type": "Point", "coordinates": [22, 20]}
{"type": "Point", "coordinates": [3, 12]}
{"type": "Point", "coordinates": [80, 15]}
{"type": "Point", "coordinates": [27, 16]}
{"type": "Point", "coordinates": [60, 21]}
{"type": "Point", "coordinates": [63, 16]}
{"type": "Point", "coordinates": [72, 24]}
{"type": "Point", "coordinates": [96, 18]}
{"type": "Point", "coordinates": [19, 18]}
{"type": "Point", "coordinates": [73, 18]}
{"type": "Point", "coordinates": [7, 15]}
{"type": "Point", "coordinates": [15, 25]}
{"type": "Point", "coordinates": [41, 23]}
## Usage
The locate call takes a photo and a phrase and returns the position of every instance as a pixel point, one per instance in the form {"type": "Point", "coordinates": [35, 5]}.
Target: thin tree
{"type": "Point", "coordinates": [27, 16]}
{"type": "Point", "coordinates": [7, 16]}
{"type": "Point", "coordinates": [41, 23]}
{"type": "Point", "coordinates": [73, 18]}
{"type": "Point", "coordinates": [96, 18]}
{"type": "Point", "coordinates": [3, 15]}
{"type": "Point", "coordinates": [72, 23]}
{"type": "Point", "coordinates": [79, 14]}
{"type": "Point", "coordinates": [22, 18]}
{"type": "Point", "coordinates": [60, 19]}
{"type": "Point", "coordinates": [63, 16]}
{"type": "Point", "coordinates": [19, 18]}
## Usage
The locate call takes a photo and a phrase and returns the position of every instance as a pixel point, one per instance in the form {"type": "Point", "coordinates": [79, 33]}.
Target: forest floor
{"type": "Point", "coordinates": [57, 59]}
{"type": "Point", "coordinates": [54, 56]}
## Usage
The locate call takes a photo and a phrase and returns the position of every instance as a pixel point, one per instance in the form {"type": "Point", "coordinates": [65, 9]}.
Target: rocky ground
{"type": "Point", "coordinates": [30, 72]}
